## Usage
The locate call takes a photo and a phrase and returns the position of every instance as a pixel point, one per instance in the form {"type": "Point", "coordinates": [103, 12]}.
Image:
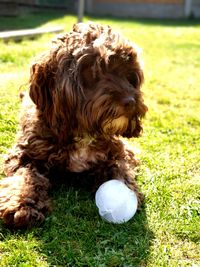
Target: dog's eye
{"type": "Point", "coordinates": [132, 81]}
{"type": "Point", "coordinates": [135, 80]}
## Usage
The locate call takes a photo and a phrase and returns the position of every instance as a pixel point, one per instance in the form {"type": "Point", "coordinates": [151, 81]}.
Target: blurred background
{"type": "Point", "coordinates": [123, 8]}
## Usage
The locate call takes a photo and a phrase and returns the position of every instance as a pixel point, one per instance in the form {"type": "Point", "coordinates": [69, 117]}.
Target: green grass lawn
{"type": "Point", "coordinates": [167, 230]}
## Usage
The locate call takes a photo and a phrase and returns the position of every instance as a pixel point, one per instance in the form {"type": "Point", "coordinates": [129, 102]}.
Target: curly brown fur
{"type": "Point", "coordinates": [84, 94]}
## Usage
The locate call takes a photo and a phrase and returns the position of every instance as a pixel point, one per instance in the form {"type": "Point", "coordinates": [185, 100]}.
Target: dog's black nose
{"type": "Point", "coordinates": [128, 101]}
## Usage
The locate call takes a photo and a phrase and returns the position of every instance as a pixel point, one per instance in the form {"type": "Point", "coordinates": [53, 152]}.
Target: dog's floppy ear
{"type": "Point", "coordinates": [135, 128]}
{"type": "Point", "coordinates": [42, 83]}
{"type": "Point", "coordinates": [136, 79]}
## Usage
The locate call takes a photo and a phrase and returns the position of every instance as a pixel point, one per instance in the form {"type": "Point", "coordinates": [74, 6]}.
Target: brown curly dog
{"type": "Point", "coordinates": [84, 96]}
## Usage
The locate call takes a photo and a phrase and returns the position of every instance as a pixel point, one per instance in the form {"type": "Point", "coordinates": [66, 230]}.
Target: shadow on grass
{"type": "Point", "coordinates": [30, 20]}
{"type": "Point", "coordinates": [151, 22]}
{"type": "Point", "coordinates": [75, 235]}
{"type": "Point", "coordinates": [36, 19]}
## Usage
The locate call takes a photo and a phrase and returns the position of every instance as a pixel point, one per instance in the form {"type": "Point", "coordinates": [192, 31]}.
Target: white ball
{"type": "Point", "coordinates": [116, 202]}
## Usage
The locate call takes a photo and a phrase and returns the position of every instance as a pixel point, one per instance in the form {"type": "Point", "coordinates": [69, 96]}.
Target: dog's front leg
{"type": "Point", "coordinates": [130, 181]}
{"type": "Point", "coordinates": [125, 169]}
{"type": "Point", "coordinates": [24, 198]}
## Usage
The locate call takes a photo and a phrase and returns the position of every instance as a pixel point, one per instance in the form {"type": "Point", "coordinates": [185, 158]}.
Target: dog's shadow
{"type": "Point", "coordinates": [75, 235]}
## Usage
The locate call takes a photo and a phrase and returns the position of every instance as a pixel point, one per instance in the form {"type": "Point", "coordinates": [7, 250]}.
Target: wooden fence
{"type": "Point", "coordinates": [145, 8]}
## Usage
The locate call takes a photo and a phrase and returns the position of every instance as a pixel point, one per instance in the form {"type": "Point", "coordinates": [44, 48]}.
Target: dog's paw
{"type": "Point", "coordinates": [21, 204]}
{"type": "Point", "coordinates": [21, 217]}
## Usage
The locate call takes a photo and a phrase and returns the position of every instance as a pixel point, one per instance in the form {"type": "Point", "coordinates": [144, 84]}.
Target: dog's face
{"type": "Point", "coordinates": [89, 83]}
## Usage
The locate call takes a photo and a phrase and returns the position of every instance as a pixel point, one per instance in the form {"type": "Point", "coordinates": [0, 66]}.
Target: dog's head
{"type": "Point", "coordinates": [89, 83]}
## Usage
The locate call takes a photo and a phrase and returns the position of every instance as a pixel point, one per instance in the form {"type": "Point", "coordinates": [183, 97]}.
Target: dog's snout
{"type": "Point", "coordinates": [128, 101]}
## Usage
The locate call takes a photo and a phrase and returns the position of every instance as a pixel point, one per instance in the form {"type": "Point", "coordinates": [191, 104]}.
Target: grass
{"type": "Point", "coordinates": [167, 231]}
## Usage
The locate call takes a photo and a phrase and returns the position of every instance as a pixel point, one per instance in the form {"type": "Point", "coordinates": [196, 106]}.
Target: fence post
{"type": "Point", "coordinates": [188, 8]}
{"type": "Point", "coordinates": [81, 4]}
